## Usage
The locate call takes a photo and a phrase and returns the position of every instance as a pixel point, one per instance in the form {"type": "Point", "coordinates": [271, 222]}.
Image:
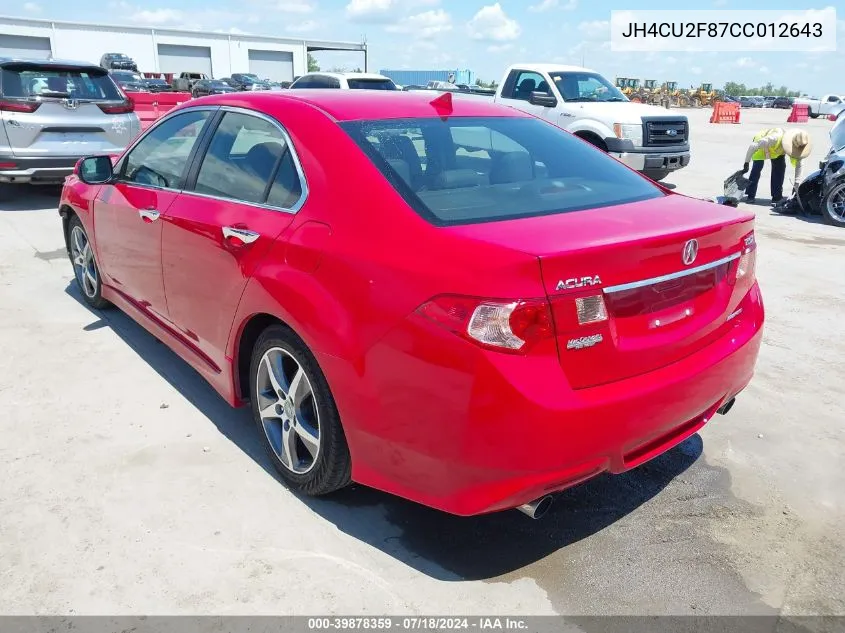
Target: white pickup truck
{"type": "Point", "coordinates": [828, 104]}
{"type": "Point", "coordinates": [647, 138]}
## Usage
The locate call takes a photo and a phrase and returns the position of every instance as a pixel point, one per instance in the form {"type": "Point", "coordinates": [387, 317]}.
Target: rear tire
{"type": "Point", "coordinates": [813, 115]}
{"type": "Point", "coordinates": [296, 414]}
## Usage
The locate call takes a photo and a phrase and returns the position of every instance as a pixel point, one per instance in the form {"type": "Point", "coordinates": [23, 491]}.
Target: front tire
{"type": "Point", "coordinates": [86, 273]}
{"type": "Point", "coordinates": [833, 205]}
{"type": "Point", "coordinates": [296, 414]}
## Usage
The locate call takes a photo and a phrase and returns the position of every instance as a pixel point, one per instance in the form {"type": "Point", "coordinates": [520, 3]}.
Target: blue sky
{"type": "Point", "coordinates": [483, 35]}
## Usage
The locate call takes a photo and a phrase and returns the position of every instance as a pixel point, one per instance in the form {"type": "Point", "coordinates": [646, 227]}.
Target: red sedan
{"type": "Point", "coordinates": [447, 299]}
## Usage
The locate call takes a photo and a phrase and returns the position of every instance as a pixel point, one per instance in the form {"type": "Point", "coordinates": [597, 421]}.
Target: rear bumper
{"type": "Point", "coordinates": [36, 170]}
{"type": "Point", "coordinates": [469, 432]}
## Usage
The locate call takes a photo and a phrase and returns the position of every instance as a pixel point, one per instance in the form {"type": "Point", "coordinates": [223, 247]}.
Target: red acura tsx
{"type": "Point", "coordinates": [442, 298]}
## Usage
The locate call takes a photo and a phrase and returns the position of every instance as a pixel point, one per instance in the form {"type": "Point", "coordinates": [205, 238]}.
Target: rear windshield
{"type": "Point", "coordinates": [466, 170]}
{"type": "Point", "coordinates": [371, 84]}
{"type": "Point", "coordinates": [32, 80]}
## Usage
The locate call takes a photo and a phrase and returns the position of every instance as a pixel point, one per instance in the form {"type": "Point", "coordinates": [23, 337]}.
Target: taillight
{"type": "Point", "coordinates": [508, 326]}
{"type": "Point", "coordinates": [746, 267]}
{"type": "Point", "coordinates": [117, 108]}
{"type": "Point", "coordinates": [13, 105]}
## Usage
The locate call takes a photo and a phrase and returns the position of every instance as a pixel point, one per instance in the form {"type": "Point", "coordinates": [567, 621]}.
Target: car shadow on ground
{"type": "Point", "coordinates": [437, 544]}
{"type": "Point", "coordinates": [29, 197]}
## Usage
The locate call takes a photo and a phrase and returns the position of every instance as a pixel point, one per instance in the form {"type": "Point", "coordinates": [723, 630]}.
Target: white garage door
{"type": "Point", "coordinates": [275, 65]}
{"type": "Point", "coordinates": [178, 59]}
{"type": "Point", "coordinates": [24, 46]}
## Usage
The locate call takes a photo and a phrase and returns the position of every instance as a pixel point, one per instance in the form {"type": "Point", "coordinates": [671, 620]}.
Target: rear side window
{"type": "Point", "coordinates": [249, 160]}
{"type": "Point", "coordinates": [371, 84]}
{"type": "Point", "coordinates": [33, 80]}
{"type": "Point", "coordinates": [465, 170]}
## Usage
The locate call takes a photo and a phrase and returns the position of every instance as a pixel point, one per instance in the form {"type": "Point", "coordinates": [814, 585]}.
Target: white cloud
{"type": "Point", "coordinates": [763, 70]}
{"type": "Point", "coordinates": [492, 23]}
{"type": "Point", "coordinates": [695, 70]}
{"type": "Point", "coordinates": [301, 27]}
{"type": "Point", "coordinates": [425, 25]}
{"type": "Point", "coordinates": [499, 48]}
{"type": "Point", "coordinates": [31, 7]}
{"type": "Point", "coordinates": [157, 16]}
{"type": "Point", "coordinates": [365, 10]}
{"type": "Point", "coordinates": [745, 62]}
{"type": "Point", "coordinates": [595, 28]}
{"type": "Point", "coordinates": [545, 5]}
{"type": "Point", "coordinates": [294, 6]}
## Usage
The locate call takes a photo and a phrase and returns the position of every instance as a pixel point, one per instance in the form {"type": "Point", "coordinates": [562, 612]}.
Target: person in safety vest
{"type": "Point", "coordinates": [775, 144]}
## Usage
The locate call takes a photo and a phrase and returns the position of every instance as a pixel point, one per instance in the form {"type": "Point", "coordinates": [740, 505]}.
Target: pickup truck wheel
{"type": "Point", "coordinates": [813, 115]}
{"type": "Point", "coordinates": [657, 174]}
{"type": "Point", "coordinates": [592, 139]}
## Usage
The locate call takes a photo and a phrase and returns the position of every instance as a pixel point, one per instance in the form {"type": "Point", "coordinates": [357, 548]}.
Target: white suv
{"type": "Point", "coordinates": [344, 81]}
{"type": "Point", "coordinates": [52, 113]}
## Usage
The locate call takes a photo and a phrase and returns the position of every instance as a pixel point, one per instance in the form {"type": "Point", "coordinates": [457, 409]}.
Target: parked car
{"type": "Point", "coordinates": [53, 112]}
{"type": "Point", "coordinates": [746, 102]}
{"type": "Point", "coordinates": [768, 101]}
{"type": "Point", "coordinates": [186, 80]}
{"type": "Point", "coordinates": [156, 84]}
{"type": "Point", "coordinates": [642, 136]}
{"type": "Point", "coordinates": [344, 81]}
{"type": "Point", "coordinates": [612, 315]}
{"type": "Point", "coordinates": [210, 87]}
{"type": "Point", "coordinates": [130, 81]}
{"type": "Point", "coordinates": [247, 81]}
{"type": "Point", "coordinates": [118, 61]}
{"type": "Point", "coordinates": [827, 105]}
{"type": "Point", "coordinates": [783, 103]}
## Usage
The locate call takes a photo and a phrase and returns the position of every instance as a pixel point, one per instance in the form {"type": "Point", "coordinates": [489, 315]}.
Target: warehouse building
{"type": "Point", "coordinates": [163, 50]}
{"type": "Point", "coordinates": [422, 77]}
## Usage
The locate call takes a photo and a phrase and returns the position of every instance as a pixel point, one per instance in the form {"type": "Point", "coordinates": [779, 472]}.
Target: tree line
{"type": "Point", "coordinates": [736, 89]}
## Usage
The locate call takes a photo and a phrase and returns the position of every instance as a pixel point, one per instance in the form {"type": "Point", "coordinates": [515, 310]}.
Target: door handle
{"type": "Point", "coordinates": [149, 215]}
{"type": "Point", "coordinates": [247, 237]}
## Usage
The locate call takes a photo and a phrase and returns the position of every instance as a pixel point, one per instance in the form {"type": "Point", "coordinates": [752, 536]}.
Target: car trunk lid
{"type": "Point", "coordinates": [625, 300]}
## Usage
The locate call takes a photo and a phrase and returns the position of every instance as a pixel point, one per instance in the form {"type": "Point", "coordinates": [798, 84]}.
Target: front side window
{"type": "Point", "coordinates": [249, 160]}
{"type": "Point", "coordinates": [466, 169]}
{"type": "Point", "coordinates": [526, 83]}
{"type": "Point", "coordinates": [161, 157]}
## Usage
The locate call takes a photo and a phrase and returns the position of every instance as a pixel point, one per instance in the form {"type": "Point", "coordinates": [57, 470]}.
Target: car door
{"type": "Point", "coordinates": [127, 212]}
{"type": "Point", "coordinates": [242, 193]}
{"type": "Point", "coordinates": [517, 91]}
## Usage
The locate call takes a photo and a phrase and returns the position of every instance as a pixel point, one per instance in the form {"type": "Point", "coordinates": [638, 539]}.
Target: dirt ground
{"type": "Point", "coordinates": [128, 487]}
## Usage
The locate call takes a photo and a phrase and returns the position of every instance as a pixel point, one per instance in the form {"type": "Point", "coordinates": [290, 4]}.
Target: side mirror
{"type": "Point", "coordinates": [95, 170]}
{"type": "Point", "coordinates": [542, 99]}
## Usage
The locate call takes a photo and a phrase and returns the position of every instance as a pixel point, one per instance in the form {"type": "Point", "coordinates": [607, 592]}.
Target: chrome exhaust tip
{"type": "Point", "coordinates": [537, 508]}
{"type": "Point", "coordinates": [723, 410]}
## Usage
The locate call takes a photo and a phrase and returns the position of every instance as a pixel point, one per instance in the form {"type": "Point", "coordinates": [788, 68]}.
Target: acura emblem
{"type": "Point", "coordinates": [690, 251]}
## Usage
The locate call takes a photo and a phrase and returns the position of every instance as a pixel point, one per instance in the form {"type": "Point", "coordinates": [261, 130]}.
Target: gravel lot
{"type": "Point", "coordinates": [128, 487]}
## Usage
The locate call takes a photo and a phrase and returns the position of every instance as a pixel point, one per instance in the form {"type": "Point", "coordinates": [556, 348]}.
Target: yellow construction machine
{"type": "Point", "coordinates": [629, 87]}
{"type": "Point", "coordinates": [650, 93]}
{"type": "Point", "coordinates": [703, 96]}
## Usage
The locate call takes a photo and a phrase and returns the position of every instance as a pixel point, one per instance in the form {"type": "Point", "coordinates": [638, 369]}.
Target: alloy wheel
{"type": "Point", "coordinates": [836, 203]}
{"type": "Point", "coordinates": [288, 410]}
{"type": "Point", "coordinates": [83, 262]}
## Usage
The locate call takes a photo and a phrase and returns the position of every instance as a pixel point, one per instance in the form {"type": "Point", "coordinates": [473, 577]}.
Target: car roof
{"type": "Point", "coordinates": [47, 62]}
{"type": "Point", "coordinates": [549, 68]}
{"type": "Point", "coordinates": [346, 75]}
{"type": "Point", "coordinates": [354, 105]}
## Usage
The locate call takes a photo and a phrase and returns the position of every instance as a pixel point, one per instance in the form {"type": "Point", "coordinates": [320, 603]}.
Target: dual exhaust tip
{"type": "Point", "coordinates": [539, 507]}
